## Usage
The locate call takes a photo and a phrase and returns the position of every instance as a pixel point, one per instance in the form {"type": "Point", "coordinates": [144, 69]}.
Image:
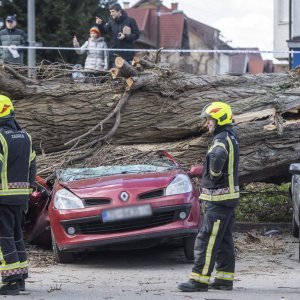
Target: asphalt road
{"type": "Point", "coordinates": [267, 268]}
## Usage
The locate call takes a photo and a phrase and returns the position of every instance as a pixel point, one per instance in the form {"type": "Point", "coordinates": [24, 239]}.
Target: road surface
{"type": "Point", "coordinates": [267, 268]}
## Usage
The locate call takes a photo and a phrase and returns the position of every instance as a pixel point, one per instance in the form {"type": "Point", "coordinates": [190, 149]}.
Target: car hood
{"type": "Point", "coordinates": [144, 181]}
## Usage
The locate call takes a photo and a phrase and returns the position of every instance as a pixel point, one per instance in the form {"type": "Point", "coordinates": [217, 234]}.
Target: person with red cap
{"type": "Point", "coordinates": [95, 46]}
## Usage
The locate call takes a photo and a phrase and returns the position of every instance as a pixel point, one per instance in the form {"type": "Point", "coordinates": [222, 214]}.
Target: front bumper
{"type": "Point", "coordinates": [123, 240]}
{"type": "Point", "coordinates": [92, 232]}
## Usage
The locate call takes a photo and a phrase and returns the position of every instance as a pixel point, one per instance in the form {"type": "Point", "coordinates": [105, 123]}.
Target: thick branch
{"type": "Point", "coordinates": [135, 82]}
{"type": "Point", "coordinates": [19, 76]}
{"type": "Point", "coordinates": [126, 69]}
{"type": "Point", "coordinates": [116, 110]}
{"type": "Point", "coordinates": [143, 62]}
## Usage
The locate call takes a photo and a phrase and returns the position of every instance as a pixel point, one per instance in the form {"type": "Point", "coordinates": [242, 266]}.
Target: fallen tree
{"type": "Point", "coordinates": [156, 107]}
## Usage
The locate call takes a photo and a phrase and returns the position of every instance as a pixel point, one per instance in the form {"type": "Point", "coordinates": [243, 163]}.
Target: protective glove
{"type": "Point", "coordinates": [196, 171]}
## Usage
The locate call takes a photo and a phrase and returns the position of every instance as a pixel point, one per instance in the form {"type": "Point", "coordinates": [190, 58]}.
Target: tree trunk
{"type": "Point", "coordinates": [163, 112]}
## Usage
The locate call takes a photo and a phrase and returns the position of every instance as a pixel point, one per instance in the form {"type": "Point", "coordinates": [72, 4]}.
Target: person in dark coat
{"type": "Point", "coordinates": [13, 37]}
{"type": "Point", "coordinates": [123, 31]}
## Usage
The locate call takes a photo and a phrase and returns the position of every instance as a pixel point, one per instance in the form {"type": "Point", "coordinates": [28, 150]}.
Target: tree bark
{"type": "Point", "coordinates": [163, 112]}
{"type": "Point", "coordinates": [264, 155]}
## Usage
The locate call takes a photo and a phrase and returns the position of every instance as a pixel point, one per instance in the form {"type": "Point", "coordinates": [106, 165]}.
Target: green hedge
{"type": "Point", "coordinates": [262, 202]}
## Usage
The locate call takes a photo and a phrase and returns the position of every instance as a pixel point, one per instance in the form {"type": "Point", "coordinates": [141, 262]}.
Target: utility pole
{"type": "Point", "coordinates": [290, 31]}
{"type": "Point", "coordinates": [216, 55]}
{"type": "Point", "coordinates": [158, 24]}
{"type": "Point", "coordinates": [31, 37]}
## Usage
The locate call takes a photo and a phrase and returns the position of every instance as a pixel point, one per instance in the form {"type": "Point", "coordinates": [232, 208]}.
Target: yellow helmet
{"type": "Point", "coordinates": [6, 107]}
{"type": "Point", "coordinates": [219, 111]}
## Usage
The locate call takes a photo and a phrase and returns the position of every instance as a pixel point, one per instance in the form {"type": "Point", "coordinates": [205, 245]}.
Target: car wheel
{"type": "Point", "coordinates": [60, 256]}
{"type": "Point", "coordinates": [188, 245]}
{"type": "Point", "coordinates": [295, 227]}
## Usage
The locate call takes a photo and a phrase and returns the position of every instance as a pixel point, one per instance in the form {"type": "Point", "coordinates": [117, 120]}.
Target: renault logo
{"type": "Point", "coordinates": [124, 196]}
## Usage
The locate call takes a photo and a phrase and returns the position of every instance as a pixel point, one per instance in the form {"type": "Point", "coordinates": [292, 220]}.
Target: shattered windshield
{"type": "Point", "coordinates": [85, 173]}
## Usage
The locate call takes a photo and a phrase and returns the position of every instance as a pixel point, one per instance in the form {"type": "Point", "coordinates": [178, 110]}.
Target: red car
{"type": "Point", "coordinates": [92, 208]}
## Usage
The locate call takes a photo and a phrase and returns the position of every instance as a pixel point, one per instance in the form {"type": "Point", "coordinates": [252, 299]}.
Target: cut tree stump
{"type": "Point", "coordinates": [126, 69]}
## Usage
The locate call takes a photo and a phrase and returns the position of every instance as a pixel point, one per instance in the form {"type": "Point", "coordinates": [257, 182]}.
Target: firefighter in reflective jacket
{"type": "Point", "coordinates": [220, 196]}
{"type": "Point", "coordinates": [18, 170]}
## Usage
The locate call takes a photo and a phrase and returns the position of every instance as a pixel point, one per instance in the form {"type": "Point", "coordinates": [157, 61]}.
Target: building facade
{"type": "Point", "coordinates": [281, 29]}
{"type": "Point", "coordinates": [170, 28]}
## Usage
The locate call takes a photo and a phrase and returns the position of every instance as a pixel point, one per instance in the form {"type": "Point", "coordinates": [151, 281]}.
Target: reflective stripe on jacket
{"type": "Point", "coordinates": [16, 156]}
{"type": "Point", "coordinates": [220, 174]}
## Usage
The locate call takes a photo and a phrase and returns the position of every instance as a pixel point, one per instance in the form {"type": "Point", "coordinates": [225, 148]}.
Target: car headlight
{"type": "Point", "coordinates": [66, 200]}
{"type": "Point", "coordinates": [181, 184]}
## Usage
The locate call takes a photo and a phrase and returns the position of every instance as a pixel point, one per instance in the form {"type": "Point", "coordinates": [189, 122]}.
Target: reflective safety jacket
{"type": "Point", "coordinates": [220, 173]}
{"type": "Point", "coordinates": [17, 158]}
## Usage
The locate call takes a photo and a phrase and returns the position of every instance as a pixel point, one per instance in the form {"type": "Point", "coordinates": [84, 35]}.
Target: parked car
{"type": "Point", "coordinates": [295, 194]}
{"type": "Point", "coordinates": [91, 208]}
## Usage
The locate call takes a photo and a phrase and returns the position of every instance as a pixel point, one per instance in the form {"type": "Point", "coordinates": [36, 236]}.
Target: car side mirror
{"type": "Point", "coordinates": [295, 169]}
{"type": "Point", "coordinates": [196, 171]}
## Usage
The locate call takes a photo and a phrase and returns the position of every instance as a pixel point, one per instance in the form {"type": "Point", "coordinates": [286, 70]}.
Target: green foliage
{"type": "Point", "coordinates": [57, 22]}
{"type": "Point", "coordinates": [265, 203]}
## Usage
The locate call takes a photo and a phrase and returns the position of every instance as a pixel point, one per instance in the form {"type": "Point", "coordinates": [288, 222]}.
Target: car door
{"type": "Point", "coordinates": [37, 223]}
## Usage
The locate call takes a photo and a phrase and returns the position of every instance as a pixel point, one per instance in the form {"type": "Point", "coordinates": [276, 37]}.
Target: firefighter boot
{"type": "Point", "coordinates": [219, 284]}
{"type": "Point", "coordinates": [193, 286]}
{"type": "Point", "coordinates": [10, 288]}
{"type": "Point", "coordinates": [22, 284]}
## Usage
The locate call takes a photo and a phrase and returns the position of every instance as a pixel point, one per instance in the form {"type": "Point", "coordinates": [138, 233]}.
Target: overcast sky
{"type": "Point", "coordinates": [245, 23]}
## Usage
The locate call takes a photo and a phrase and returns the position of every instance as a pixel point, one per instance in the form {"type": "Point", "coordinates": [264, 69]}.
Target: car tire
{"type": "Point", "coordinates": [60, 256]}
{"type": "Point", "coordinates": [295, 227]}
{"type": "Point", "coordinates": [188, 246]}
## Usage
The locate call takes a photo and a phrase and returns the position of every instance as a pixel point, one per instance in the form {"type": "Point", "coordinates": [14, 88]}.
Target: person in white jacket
{"type": "Point", "coordinates": [95, 46]}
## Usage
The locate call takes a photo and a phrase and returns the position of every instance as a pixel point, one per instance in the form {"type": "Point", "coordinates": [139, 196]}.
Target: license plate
{"type": "Point", "coordinates": [125, 213]}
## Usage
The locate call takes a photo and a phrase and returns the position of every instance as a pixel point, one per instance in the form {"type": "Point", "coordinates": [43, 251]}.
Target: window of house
{"type": "Point", "coordinates": [283, 11]}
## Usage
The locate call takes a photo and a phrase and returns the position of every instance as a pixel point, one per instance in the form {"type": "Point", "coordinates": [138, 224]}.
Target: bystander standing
{"type": "Point", "coordinates": [95, 46]}
{"type": "Point", "coordinates": [123, 30]}
{"type": "Point", "coordinates": [12, 37]}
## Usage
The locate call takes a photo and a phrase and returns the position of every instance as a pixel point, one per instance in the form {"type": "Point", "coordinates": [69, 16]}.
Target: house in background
{"type": "Point", "coordinates": [170, 28]}
{"type": "Point", "coordinates": [247, 62]}
{"type": "Point", "coordinates": [286, 35]}
{"type": "Point", "coordinates": [281, 29]}
{"type": "Point", "coordinates": [253, 63]}
{"type": "Point", "coordinates": [202, 36]}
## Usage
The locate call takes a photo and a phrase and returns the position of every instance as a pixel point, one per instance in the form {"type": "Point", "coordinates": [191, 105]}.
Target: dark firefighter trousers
{"type": "Point", "coordinates": [214, 244]}
{"type": "Point", "coordinates": [13, 256]}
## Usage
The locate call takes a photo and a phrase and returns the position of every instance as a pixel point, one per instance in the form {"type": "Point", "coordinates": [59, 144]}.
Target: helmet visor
{"type": "Point", "coordinates": [204, 114]}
